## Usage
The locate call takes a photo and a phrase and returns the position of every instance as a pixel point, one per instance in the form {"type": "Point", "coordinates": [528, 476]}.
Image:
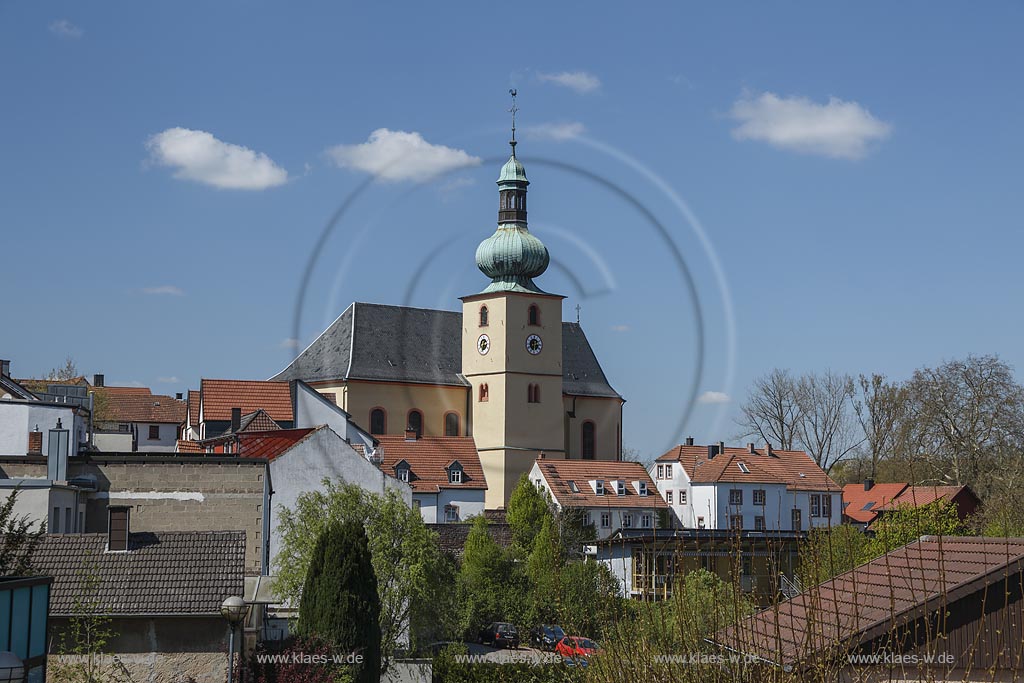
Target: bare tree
{"type": "Point", "coordinates": [827, 428]}
{"type": "Point", "coordinates": [881, 409]}
{"type": "Point", "coordinates": [64, 373]}
{"type": "Point", "coordinates": [773, 410]}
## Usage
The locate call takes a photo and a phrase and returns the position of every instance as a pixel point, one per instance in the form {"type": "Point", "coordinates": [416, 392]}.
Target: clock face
{"type": "Point", "coordinates": [534, 344]}
{"type": "Point", "coordinates": [483, 344]}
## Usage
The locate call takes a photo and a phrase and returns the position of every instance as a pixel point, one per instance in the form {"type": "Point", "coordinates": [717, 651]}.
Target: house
{"type": "Point", "coordinates": [47, 422]}
{"type": "Point", "coordinates": [948, 608]}
{"type": "Point", "coordinates": [218, 397]}
{"type": "Point", "coordinates": [865, 504]}
{"type": "Point", "coordinates": [162, 594]}
{"type": "Point", "coordinates": [445, 474]}
{"type": "Point", "coordinates": [134, 419]}
{"type": "Point", "coordinates": [962, 497]}
{"type": "Point", "coordinates": [613, 495]}
{"type": "Point", "coordinates": [715, 487]}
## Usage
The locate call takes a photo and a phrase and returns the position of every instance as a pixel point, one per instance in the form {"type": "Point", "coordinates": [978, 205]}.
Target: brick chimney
{"type": "Point", "coordinates": [118, 519]}
{"type": "Point", "coordinates": [750, 448]}
{"type": "Point", "coordinates": [768, 448]}
{"type": "Point", "coordinates": [97, 380]}
{"type": "Point", "coordinates": [410, 434]}
{"type": "Point", "coordinates": [35, 442]}
{"type": "Point", "coordinates": [541, 456]}
{"type": "Point", "coordinates": [236, 419]}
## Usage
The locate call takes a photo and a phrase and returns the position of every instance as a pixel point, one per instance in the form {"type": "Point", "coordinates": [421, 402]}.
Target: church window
{"type": "Point", "coordinates": [533, 393]}
{"type": "Point", "coordinates": [483, 316]}
{"type": "Point", "coordinates": [377, 423]}
{"type": "Point", "coordinates": [534, 315]}
{"type": "Point", "coordinates": [588, 439]}
{"type": "Point", "coordinates": [483, 393]}
{"type": "Point", "coordinates": [451, 424]}
{"type": "Point", "coordinates": [416, 422]}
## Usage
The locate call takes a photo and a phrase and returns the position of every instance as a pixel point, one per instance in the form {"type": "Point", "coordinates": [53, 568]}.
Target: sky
{"type": "Point", "coordinates": [197, 190]}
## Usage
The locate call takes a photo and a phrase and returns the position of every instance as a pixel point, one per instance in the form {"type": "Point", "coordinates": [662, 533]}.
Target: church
{"type": "Point", "coordinates": [506, 370]}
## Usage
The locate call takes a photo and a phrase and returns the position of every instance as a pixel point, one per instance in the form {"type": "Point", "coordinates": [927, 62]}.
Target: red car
{"type": "Point", "coordinates": [576, 646]}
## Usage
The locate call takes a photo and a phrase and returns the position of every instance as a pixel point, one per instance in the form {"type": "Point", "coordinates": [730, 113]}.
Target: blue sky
{"type": "Point", "coordinates": [855, 170]}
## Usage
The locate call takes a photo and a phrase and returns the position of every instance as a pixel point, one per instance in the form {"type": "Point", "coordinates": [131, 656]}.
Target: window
{"type": "Point", "coordinates": [759, 497]}
{"type": "Point", "coordinates": [573, 487]}
{"type": "Point", "coordinates": [599, 487]}
{"type": "Point", "coordinates": [455, 475]}
{"type": "Point", "coordinates": [735, 496]}
{"type": "Point", "coordinates": [67, 521]}
{"type": "Point", "coordinates": [587, 520]}
{"type": "Point", "coordinates": [533, 393]}
{"type": "Point", "coordinates": [826, 505]}
{"type": "Point", "coordinates": [815, 505]}
{"type": "Point", "coordinates": [122, 428]}
{"type": "Point", "coordinates": [620, 488]}
{"type": "Point", "coordinates": [377, 421]}
{"type": "Point", "coordinates": [416, 504]}
{"type": "Point", "coordinates": [451, 424]}
{"type": "Point", "coordinates": [588, 440]}
{"type": "Point", "coordinates": [797, 522]}
{"type": "Point", "coordinates": [402, 474]}
{"type": "Point", "coordinates": [416, 422]}
{"type": "Point", "coordinates": [700, 522]}
{"type": "Point", "coordinates": [81, 522]}
{"type": "Point", "coordinates": [641, 488]}
{"type": "Point", "coordinates": [743, 468]}
{"type": "Point", "coordinates": [645, 521]}
{"type": "Point", "coordinates": [707, 562]}
{"type": "Point", "coordinates": [668, 497]}
{"type": "Point", "coordinates": [747, 565]}
{"type": "Point", "coordinates": [154, 432]}
{"type": "Point", "coordinates": [759, 523]}
{"type": "Point", "coordinates": [451, 513]}
{"type": "Point", "coordinates": [661, 471]}
{"type": "Point", "coordinates": [736, 522]}
{"type": "Point", "coordinates": [56, 521]}
{"type": "Point", "coordinates": [534, 315]}
{"type": "Point", "coordinates": [606, 520]}
{"type": "Point", "coordinates": [483, 393]}
{"type": "Point", "coordinates": [483, 316]}
{"type": "Point", "coordinates": [627, 520]}
{"type": "Point", "coordinates": [682, 497]}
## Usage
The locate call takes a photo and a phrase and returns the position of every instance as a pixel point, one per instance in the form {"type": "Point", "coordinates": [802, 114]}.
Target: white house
{"type": "Point", "coordinates": [613, 494]}
{"type": "Point", "coordinates": [445, 474]}
{"type": "Point", "coordinates": [135, 419]}
{"type": "Point", "coordinates": [715, 487]}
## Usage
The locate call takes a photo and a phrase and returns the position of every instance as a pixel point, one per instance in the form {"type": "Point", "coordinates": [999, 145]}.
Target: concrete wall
{"type": "Point", "coordinates": [114, 442]}
{"type": "Point", "coordinates": [40, 501]}
{"type": "Point", "coordinates": [18, 418]}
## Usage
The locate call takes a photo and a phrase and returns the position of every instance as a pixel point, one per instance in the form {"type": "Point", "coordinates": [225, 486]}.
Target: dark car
{"type": "Point", "coordinates": [546, 636]}
{"type": "Point", "coordinates": [500, 634]}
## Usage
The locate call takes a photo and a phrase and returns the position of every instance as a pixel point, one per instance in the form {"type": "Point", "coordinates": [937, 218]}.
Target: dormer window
{"type": "Point", "coordinates": [620, 488]}
{"type": "Point", "coordinates": [641, 488]}
{"type": "Point", "coordinates": [455, 473]}
{"type": "Point", "coordinates": [483, 316]}
{"type": "Point", "coordinates": [598, 487]}
{"type": "Point", "coordinates": [402, 470]}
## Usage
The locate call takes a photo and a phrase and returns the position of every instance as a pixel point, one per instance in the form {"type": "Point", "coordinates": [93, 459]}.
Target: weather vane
{"type": "Point", "coordinates": [513, 111]}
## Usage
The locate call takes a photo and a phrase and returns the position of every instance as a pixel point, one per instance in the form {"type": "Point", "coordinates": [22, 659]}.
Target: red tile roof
{"type": "Point", "coordinates": [132, 404]}
{"type": "Point", "coordinates": [559, 473]}
{"type": "Point", "coordinates": [185, 446]}
{"type": "Point", "coordinates": [867, 602]}
{"type": "Point", "coordinates": [428, 457]}
{"type": "Point", "coordinates": [270, 445]}
{"type": "Point", "coordinates": [917, 496]}
{"type": "Point", "coordinates": [193, 407]}
{"type": "Point", "coordinates": [219, 396]}
{"type": "Point", "coordinates": [795, 469]}
{"type": "Point", "coordinates": [863, 506]}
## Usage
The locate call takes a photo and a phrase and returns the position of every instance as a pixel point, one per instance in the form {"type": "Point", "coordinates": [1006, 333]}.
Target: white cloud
{"type": "Point", "coordinates": [837, 129]}
{"type": "Point", "coordinates": [397, 155]}
{"type": "Point", "coordinates": [290, 343]}
{"type": "Point", "coordinates": [555, 131]}
{"type": "Point", "coordinates": [579, 81]}
{"type": "Point", "coordinates": [165, 290]}
{"type": "Point", "coordinates": [197, 155]}
{"type": "Point", "coordinates": [713, 397]}
{"type": "Point", "coordinates": [620, 328]}
{"type": "Point", "coordinates": [65, 29]}
{"type": "Point", "coordinates": [168, 380]}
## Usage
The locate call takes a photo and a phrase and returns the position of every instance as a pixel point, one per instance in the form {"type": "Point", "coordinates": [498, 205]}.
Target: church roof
{"type": "Point", "coordinates": [424, 346]}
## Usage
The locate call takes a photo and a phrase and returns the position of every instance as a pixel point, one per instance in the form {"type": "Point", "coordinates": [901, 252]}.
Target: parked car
{"type": "Point", "coordinates": [500, 634]}
{"type": "Point", "coordinates": [575, 647]}
{"type": "Point", "coordinates": [546, 636]}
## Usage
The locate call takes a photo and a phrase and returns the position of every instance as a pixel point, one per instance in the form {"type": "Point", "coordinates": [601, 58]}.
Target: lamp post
{"type": "Point", "coordinates": [12, 669]}
{"type": "Point", "coordinates": [233, 609]}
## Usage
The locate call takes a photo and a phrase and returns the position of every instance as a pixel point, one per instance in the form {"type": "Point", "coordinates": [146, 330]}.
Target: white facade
{"type": "Point", "coordinates": [40, 500]}
{"type": "Point", "coordinates": [18, 418]}
{"type": "Point", "coordinates": [449, 505]}
{"type": "Point", "coordinates": [311, 409]}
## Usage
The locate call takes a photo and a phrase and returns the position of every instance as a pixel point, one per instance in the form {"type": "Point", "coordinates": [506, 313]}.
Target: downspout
{"type": "Point", "coordinates": [92, 442]}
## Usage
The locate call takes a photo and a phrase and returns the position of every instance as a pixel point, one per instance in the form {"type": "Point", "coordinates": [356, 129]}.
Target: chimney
{"type": "Point", "coordinates": [768, 448]}
{"type": "Point", "coordinates": [97, 380]}
{"type": "Point", "coordinates": [410, 434]}
{"type": "Point", "coordinates": [179, 396]}
{"type": "Point", "coordinates": [869, 484]}
{"type": "Point", "coordinates": [712, 452]}
{"type": "Point", "coordinates": [721, 448]}
{"type": "Point", "coordinates": [35, 442]}
{"type": "Point", "coordinates": [5, 368]}
{"type": "Point", "coordinates": [541, 456]}
{"type": "Point", "coordinates": [236, 419]}
{"type": "Point", "coordinates": [689, 441]}
{"type": "Point", "coordinates": [117, 527]}
{"type": "Point", "coordinates": [750, 448]}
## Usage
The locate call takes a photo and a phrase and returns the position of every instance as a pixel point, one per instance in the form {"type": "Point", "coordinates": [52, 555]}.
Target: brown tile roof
{"type": "Point", "coordinates": [166, 572]}
{"type": "Point", "coordinates": [219, 396]}
{"type": "Point", "coordinates": [271, 444]}
{"type": "Point", "coordinates": [863, 506]}
{"type": "Point", "coordinates": [137, 405]}
{"type": "Point", "coordinates": [452, 537]}
{"type": "Point", "coordinates": [795, 469]}
{"type": "Point", "coordinates": [866, 602]}
{"type": "Point", "coordinates": [193, 407]}
{"type": "Point", "coordinates": [917, 496]}
{"type": "Point", "coordinates": [559, 473]}
{"type": "Point", "coordinates": [185, 446]}
{"type": "Point", "coordinates": [428, 458]}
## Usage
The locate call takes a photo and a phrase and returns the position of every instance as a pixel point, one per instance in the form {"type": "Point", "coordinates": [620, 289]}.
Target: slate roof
{"type": "Point", "coordinates": [451, 538]}
{"type": "Point", "coordinates": [862, 506]}
{"type": "Point", "coordinates": [9, 386]}
{"type": "Point", "coordinates": [795, 469]}
{"type": "Point", "coordinates": [428, 458]}
{"type": "Point", "coordinates": [559, 473]}
{"type": "Point", "coordinates": [271, 444]}
{"type": "Point", "coordinates": [141, 406]}
{"type": "Point", "coordinates": [423, 346]}
{"type": "Point", "coordinates": [866, 602]}
{"type": "Point", "coordinates": [219, 396]}
{"type": "Point", "coordinates": [167, 572]}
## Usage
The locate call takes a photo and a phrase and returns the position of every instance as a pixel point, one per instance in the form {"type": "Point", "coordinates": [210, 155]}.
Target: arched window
{"type": "Point", "coordinates": [416, 422]}
{"type": "Point", "coordinates": [483, 316]}
{"type": "Point", "coordinates": [588, 440]}
{"type": "Point", "coordinates": [533, 393]}
{"type": "Point", "coordinates": [377, 422]}
{"type": "Point", "coordinates": [451, 424]}
{"type": "Point", "coordinates": [483, 393]}
{"type": "Point", "coordinates": [534, 315]}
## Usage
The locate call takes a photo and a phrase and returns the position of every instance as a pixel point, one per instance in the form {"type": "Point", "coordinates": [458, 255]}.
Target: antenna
{"type": "Point", "coordinates": [578, 307]}
{"type": "Point", "coordinates": [513, 92]}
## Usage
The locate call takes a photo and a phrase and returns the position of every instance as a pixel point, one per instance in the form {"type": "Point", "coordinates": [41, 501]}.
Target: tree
{"type": "Point", "coordinates": [543, 567]}
{"type": "Point", "coordinates": [340, 604]}
{"type": "Point", "coordinates": [773, 410]}
{"type": "Point", "coordinates": [484, 580]}
{"type": "Point", "coordinates": [18, 539]}
{"type": "Point", "coordinates": [825, 425]}
{"type": "Point", "coordinates": [906, 523]}
{"type": "Point", "coordinates": [829, 552]}
{"type": "Point", "coordinates": [66, 372]}
{"type": "Point", "coordinates": [589, 600]}
{"type": "Point", "coordinates": [407, 561]}
{"type": "Point", "coordinates": [881, 409]}
{"type": "Point", "coordinates": [526, 511]}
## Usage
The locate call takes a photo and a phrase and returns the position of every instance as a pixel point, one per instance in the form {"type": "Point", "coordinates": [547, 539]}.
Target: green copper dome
{"type": "Point", "coordinates": [512, 172]}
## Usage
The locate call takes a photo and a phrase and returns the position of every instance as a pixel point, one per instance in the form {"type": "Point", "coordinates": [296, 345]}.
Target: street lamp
{"type": "Point", "coordinates": [12, 669]}
{"type": "Point", "coordinates": [233, 609]}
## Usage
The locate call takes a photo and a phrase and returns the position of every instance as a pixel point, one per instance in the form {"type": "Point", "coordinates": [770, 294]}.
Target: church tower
{"type": "Point", "coordinates": [512, 346]}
